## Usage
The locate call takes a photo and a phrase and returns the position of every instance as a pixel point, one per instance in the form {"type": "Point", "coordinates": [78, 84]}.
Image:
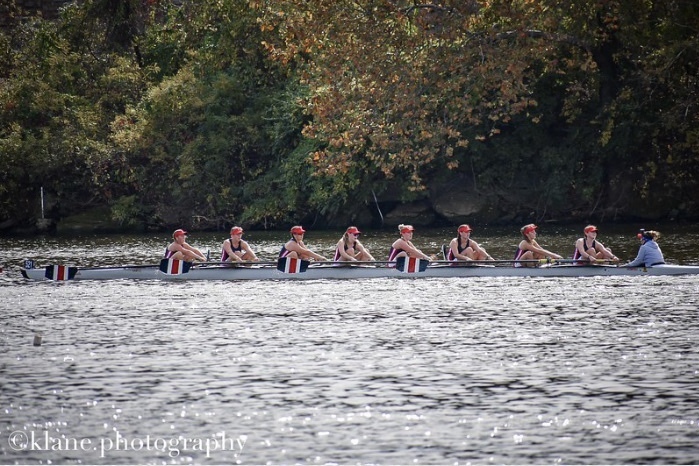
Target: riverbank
{"type": "Point", "coordinates": [420, 214]}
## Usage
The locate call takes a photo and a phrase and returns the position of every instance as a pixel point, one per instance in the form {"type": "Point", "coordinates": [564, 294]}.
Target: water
{"type": "Point", "coordinates": [456, 371]}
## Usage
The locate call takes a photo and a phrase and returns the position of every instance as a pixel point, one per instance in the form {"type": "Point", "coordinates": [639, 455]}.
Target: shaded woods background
{"type": "Point", "coordinates": [206, 113]}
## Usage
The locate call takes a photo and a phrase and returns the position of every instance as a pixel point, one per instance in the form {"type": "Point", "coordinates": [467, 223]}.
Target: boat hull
{"type": "Point", "coordinates": [324, 272]}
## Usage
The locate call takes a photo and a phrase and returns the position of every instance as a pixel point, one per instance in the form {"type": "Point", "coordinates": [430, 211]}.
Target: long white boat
{"type": "Point", "coordinates": [292, 269]}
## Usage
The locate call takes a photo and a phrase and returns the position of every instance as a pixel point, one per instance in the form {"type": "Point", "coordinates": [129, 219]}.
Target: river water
{"type": "Point", "coordinates": [433, 371]}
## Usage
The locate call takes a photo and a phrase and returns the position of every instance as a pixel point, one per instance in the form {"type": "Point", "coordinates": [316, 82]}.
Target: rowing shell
{"type": "Point", "coordinates": [292, 269]}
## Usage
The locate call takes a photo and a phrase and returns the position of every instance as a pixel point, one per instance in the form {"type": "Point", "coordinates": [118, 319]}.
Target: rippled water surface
{"type": "Point", "coordinates": [433, 371]}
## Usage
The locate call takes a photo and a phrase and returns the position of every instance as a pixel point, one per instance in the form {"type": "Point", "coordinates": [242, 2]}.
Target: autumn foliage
{"type": "Point", "coordinates": [268, 112]}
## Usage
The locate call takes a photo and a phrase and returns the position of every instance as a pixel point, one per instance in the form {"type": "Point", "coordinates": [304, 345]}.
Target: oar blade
{"type": "Point", "coordinates": [411, 264]}
{"type": "Point", "coordinates": [60, 272]}
{"type": "Point", "coordinates": [292, 265]}
{"type": "Point", "coordinates": [174, 266]}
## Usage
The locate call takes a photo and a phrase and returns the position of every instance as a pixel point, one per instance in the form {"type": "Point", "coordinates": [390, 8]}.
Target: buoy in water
{"type": "Point", "coordinates": [37, 339]}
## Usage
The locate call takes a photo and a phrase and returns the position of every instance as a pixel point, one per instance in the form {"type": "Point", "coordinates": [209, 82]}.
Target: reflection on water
{"type": "Point", "coordinates": [498, 370]}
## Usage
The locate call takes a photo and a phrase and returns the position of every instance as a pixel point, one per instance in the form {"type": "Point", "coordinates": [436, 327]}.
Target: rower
{"type": "Point", "coordinates": [235, 249]}
{"type": "Point", "coordinates": [463, 248]}
{"type": "Point", "coordinates": [350, 249]}
{"type": "Point", "coordinates": [295, 247]}
{"type": "Point", "coordinates": [404, 247]}
{"type": "Point", "coordinates": [529, 249]}
{"type": "Point", "coordinates": [589, 249]}
{"type": "Point", "coordinates": [180, 250]}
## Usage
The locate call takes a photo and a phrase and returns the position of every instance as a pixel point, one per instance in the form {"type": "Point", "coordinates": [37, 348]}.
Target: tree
{"type": "Point", "coordinates": [507, 93]}
{"type": "Point", "coordinates": [212, 125]}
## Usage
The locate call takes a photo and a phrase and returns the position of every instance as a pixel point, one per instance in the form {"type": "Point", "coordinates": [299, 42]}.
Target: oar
{"type": "Point", "coordinates": [58, 272]}
{"type": "Point", "coordinates": [495, 261]}
{"type": "Point", "coordinates": [314, 264]}
{"type": "Point", "coordinates": [578, 261]}
{"type": "Point", "coordinates": [174, 266]}
{"type": "Point", "coordinates": [349, 263]}
{"type": "Point", "coordinates": [526, 261]}
{"type": "Point", "coordinates": [281, 265]}
{"type": "Point", "coordinates": [399, 263]}
{"type": "Point", "coordinates": [178, 267]}
{"type": "Point", "coordinates": [292, 265]}
{"type": "Point", "coordinates": [237, 263]}
{"type": "Point", "coordinates": [433, 262]}
{"type": "Point", "coordinates": [100, 267]}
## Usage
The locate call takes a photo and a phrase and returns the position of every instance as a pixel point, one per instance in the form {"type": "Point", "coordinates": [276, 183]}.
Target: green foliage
{"type": "Point", "coordinates": [207, 113]}
{"type": "Point", "coordinates": [48, 128]}
{"type": "Point", "coordinates": [129, 212]}
{"type": "Point", "coordinates": [199, 142]}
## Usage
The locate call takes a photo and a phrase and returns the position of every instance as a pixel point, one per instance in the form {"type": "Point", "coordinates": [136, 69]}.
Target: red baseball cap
{"type": "Point", "coordinates": [297, 230]}
{"type": "Point", "coordinates": [526, 229]}
{"type": "Point", "coordinates": [407, 229]}
{"type": "Point", "coordinates": [590, 228]}
{"type": "Point", "coordinates": [464, 228]}
{"type": "Point", "coordinates": [236, 231]}
{"type": "Point", "coordinates": [179, 232]}
{"type": "Point", "coordinates": [354, 231]}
